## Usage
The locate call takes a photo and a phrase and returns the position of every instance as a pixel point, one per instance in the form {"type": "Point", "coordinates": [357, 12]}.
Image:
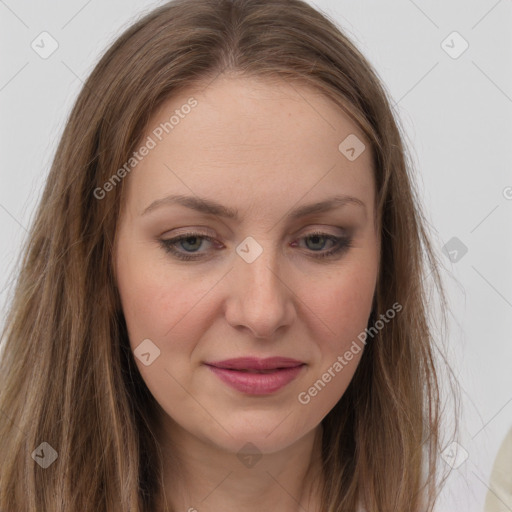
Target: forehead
{"type": "Point", "coordinates": [251, 140]}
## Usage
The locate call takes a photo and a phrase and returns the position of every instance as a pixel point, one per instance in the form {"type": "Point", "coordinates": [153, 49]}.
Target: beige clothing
{"type": "Point", "coordinates": [499, 496]}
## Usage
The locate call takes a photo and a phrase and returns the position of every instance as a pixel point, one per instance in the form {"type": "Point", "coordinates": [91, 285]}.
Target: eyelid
{"type": "Point", "coordinates": [208, 232]}
{"type": "Point", "coordinates": [191, 231]}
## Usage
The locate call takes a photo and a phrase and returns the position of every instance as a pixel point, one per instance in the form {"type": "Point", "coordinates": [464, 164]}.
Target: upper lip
{"type": "Point", "coordinates": [255, 363]}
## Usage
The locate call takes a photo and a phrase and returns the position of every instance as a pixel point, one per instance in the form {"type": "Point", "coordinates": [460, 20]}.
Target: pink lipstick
{"type": "Point", "coordinates": [255, 376]}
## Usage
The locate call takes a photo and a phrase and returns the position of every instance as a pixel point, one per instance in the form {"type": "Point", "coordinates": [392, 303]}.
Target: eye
{"type": "Point", "coordinates": [191, 244]}
{"type": "Point", "coordinates": [340, 244]}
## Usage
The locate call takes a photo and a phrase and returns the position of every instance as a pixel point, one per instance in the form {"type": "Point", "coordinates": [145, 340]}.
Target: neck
{"type": "Point", "coordinates": [202, 477]}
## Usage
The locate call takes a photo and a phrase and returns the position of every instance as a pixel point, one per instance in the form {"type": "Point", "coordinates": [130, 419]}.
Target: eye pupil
{"type": "Point", "coordinates": [194, 239]}
{"type": "Point", "coordinates": [317, 239]}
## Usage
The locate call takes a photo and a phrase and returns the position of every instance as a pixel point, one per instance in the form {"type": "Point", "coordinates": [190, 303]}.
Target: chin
{"type": "Point", "coordinates": [263, 437]}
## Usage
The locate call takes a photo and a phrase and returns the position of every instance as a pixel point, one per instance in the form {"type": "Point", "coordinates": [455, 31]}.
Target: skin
{"type": "Point", "coordinates": [264, 149]}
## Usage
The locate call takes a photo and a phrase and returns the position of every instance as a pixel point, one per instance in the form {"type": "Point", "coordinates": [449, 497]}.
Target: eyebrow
{"type": "Point", "coordinates": [212, 207]}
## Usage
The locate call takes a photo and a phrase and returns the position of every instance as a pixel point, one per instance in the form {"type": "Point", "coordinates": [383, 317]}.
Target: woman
{"type": "Point", "coordinates": [177, 339]}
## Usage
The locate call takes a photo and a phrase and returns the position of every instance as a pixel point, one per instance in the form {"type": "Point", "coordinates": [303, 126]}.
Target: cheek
{"type": "Point", "coordinates": [342, 308]}
{"type": "Point", "coordinates": [344, 304]}
{"type": "Point", "coordinates": [152, 312]}
{"type": "Point", "coordinates": [161, 305]}
{"type": "Point", "coordinates": [139, 297]}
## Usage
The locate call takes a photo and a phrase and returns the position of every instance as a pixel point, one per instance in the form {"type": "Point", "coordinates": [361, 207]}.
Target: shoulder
{"type": "Point", "coordinates": [499, 497]}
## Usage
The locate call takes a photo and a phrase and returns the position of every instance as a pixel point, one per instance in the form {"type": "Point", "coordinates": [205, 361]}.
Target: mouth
{"type": "Point", "coordinates": [254, 364]}
{"type": "Point", "coordinates": [273, 370]}
{"type": "Point", "coordinates": [254, 376]}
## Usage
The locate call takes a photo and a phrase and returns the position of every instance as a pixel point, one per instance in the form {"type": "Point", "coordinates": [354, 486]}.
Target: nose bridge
{"type": "Point", "coordinates": [259, 298]}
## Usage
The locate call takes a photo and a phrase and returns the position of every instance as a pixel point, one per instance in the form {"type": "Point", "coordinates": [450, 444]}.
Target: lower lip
{"type": "Point", "coordinates": [257, 383]}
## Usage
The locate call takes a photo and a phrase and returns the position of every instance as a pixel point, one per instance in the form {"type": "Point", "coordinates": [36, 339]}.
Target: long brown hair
{"type": "Point", "coordinates": [67, 375]}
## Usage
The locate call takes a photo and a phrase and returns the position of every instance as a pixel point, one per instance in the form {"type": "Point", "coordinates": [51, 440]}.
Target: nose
{"type": "Point", "coordinates": [260, 300]}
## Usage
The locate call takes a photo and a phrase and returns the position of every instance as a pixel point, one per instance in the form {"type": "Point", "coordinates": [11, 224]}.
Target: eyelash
{"type": "Point", "coordinates": [342, 245]}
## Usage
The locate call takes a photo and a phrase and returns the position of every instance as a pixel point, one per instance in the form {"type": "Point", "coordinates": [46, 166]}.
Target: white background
{"type": "Point", "coordinates": [457, 113]}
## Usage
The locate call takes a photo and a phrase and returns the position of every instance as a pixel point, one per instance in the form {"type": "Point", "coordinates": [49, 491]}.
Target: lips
{"type": "Point", "coordinates": [255, 376]}
{"type": "Point", "coordinates": [253, 364]}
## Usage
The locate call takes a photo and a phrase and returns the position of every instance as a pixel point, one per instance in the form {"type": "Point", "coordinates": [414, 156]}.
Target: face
{"type": "Point", "coordinates": [241, 267]}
